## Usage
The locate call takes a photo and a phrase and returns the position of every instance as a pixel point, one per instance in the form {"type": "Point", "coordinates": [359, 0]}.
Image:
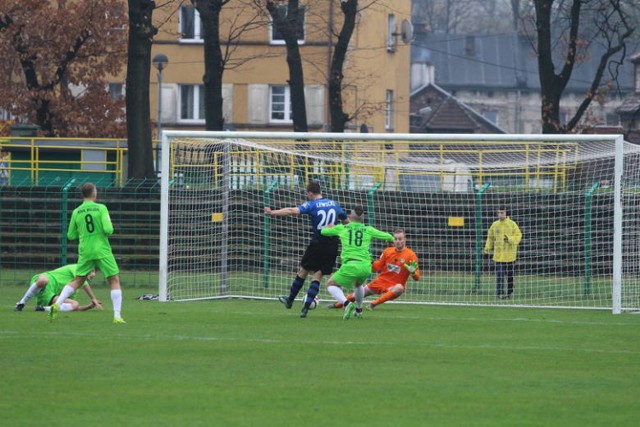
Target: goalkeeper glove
{"type": "Point", "coordinates": [412, 267]}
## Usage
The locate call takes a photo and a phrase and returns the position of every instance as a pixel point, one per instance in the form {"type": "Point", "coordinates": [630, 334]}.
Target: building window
{"type": "Point", "coordinates": [116, 91]}
{"type": "Point", "coordinates": [276, 36]}
{"type": "Point", "coordinates": [189, 24]}
{"type": "Point", "coordinates": [388, 117]}
{"type": "Point", "coordinates": [280, 105]}
{"type": "Point", "coordinates": [391, 33]}
{"type": "Point", "coordinates": [491, 115]}
{"type": "Point", "coordinates": [192, 103]}
{"type": "Point", "coordinates": [5, 115]}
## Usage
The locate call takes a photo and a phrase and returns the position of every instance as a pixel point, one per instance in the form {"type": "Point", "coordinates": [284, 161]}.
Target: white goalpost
{"type": "Point", "coordinates": [576, 199]}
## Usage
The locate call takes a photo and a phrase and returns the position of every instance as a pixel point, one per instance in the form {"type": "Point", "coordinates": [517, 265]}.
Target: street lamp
{"type": "Point", "coordinates": [160, 62]}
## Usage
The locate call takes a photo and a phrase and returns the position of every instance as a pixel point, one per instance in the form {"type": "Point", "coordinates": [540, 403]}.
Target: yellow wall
{"type": "Point", "coordinates": [370, 69]}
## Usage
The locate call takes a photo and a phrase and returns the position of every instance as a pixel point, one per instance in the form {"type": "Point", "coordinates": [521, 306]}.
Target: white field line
{"type": "Point", "coordinates": [6, 334]}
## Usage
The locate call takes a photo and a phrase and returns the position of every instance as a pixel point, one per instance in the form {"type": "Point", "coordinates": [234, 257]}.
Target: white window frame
{"type": "Point", "coordinates": [198, 93]}
{"type": "Point", "coordinates": [388, 110]}
{"type": "Point", "coordinates": [197, 26]}
{"type": "Point", "coordinates": [391, 33]}
{"type": "Point", "coordinates": [302, 9]}
{"type": "Point", "coordinates": [288, 114]}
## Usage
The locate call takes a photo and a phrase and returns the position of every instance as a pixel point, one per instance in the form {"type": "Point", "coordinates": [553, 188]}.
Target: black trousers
{"type": "Point", "coordinates": [504, 269]}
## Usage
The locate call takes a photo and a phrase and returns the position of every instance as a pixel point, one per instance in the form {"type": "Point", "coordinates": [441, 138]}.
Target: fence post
{"type": "Point", "coordinates": [265, 235]}
{"type": "Point", "coordinates": [588, 234]}
{"type": "Point", "coordinates": [479, 244]}
{"type": "Point", "coordinates": [370, 204]}
{"type": "Point", "coordinates": [63, 221]}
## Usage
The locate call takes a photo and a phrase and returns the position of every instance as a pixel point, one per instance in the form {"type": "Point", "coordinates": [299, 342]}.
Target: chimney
{"type": "Point", "coordinates": [422, 74]}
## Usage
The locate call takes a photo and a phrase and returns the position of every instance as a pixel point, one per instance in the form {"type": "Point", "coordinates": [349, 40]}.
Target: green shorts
{"type": "Point", "coordinates": [352, 273]}
{"type": "Point", "coordinates": [46, 295]}
{"type": "Point", "coordinates": [107, 265]}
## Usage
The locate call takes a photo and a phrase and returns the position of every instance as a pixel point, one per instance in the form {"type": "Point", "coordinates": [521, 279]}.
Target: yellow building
{"type": "Point", "coordinates": [255, 90]}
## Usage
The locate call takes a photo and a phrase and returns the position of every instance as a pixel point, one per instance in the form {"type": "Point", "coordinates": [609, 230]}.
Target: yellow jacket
{"type": "Point", "coordinates": [503, 251]}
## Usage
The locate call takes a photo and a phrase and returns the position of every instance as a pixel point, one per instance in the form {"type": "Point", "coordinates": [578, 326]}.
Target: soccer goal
{"type": "Point", "coordinates": [576, 199]}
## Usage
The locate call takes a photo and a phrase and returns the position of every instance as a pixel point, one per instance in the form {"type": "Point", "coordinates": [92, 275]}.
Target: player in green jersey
{"type": "Point", "coordinates": [91, 225]}
{"type": "Point", "coordinates": [47, 286]}
{"type": "Point", "coordinates": [355, 268]}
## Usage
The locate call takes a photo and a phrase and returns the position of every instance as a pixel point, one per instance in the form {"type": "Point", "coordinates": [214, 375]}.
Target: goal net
{"type": "Point", "coordinates": [574, 197]}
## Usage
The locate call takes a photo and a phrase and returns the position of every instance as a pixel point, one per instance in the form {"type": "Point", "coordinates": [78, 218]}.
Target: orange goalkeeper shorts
{"type": "Point", "coordinates": [382, 286]}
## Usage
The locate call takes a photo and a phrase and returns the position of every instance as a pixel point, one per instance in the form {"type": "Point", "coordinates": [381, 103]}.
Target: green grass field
{"type": "Point", "coordinates": [253, 363]}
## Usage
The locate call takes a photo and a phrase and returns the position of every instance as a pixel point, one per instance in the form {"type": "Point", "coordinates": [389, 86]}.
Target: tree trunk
{"type": "Point", "coordinates": [213, 63]}
{"type": "Point", "coordinates": [141, 33]}
{"type": "Point", "coordinates": [296, 78]}
{"type": "Point", "coordinates": [338, 117]}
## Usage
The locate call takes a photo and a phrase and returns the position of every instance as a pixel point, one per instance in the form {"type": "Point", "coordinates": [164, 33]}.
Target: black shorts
{"type": "Point", "coordinates": [320, 256]}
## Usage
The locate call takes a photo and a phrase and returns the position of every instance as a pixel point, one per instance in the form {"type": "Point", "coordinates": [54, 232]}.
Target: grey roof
{"type": "Point", "coordinates": [451, 113]}
{"type": "Point", "coordinates": [500, 61]}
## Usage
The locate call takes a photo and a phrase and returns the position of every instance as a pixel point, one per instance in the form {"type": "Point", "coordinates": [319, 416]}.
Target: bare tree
{"type": "Point", "coordinates": [609, 26]}
{"type": "Point", "coordinates": [213, 62]}
{"type": "Point", "coordinates": [338, 117]}
{"type": "Point", "coordinates": [287, 25]}
{"type": "Point", "coordinates": [462, 16]}
{"type": "Point", "coordinates": [217, 58]}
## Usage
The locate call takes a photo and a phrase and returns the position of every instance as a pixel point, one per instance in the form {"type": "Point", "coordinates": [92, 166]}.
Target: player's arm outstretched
{"type": "Point", "coordinates": [378, 265]}
{"type": "Point", "coordinates": [381, 235]}
{"type": "Point", "coordinates": [281, 212]}
{"type": "Point", "coordinates": [413, 268]}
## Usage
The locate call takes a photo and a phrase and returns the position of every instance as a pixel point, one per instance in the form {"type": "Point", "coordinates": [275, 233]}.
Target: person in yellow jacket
{"type": "Point", "coordinates": [502, 241]}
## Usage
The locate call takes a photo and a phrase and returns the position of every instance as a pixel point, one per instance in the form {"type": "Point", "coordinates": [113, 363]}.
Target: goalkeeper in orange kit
{"type": "Point", "coordinates": [395, 265]}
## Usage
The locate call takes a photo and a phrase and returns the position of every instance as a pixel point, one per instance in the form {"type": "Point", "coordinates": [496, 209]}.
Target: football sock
{"type": "Point", "coordinates": [359, 296]}
{"type": "Point", "coordinates": [116, 300]}
{"type": "Point", "coordinates": [349, 297]}
{"type": "Point", "coordinates": [66, 293]}
{"type": "Point", "coordinates": [387, 296]}
{"type": "Point", "coordinates": [295, 287]}
{"type": "Point", "coordinates": [31, 292]}
{"type": "Point", "coordinates": [65, 306]}
{"type": "Point", "coordinates": [337, 293]}
{"type": "Point", "coordinates": [312, 292]}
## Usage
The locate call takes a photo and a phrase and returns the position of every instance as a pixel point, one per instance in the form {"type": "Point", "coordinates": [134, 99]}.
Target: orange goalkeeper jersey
{"type": "Point", "coordinates": [390, 265]}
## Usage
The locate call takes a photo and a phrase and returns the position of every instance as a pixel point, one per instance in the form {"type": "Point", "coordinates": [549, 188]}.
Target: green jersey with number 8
{"type": "Point", "coordinates": [91, 224]}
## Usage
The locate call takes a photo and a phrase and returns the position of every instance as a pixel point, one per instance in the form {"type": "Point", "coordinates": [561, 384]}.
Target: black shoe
{"type": "Point", "coordinates": [304, 311]}
{"type": "Point", "coordinates": [19, 307]}
{"type": "Point", "coordinates": [39, 308]}
{"type": "Point", "coordinates": [285, 301]}
{"type": "Point", "coordinates": [503, 296]}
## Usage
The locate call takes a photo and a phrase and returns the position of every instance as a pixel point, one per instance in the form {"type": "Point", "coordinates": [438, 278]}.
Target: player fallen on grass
{"type": "Point", "coordinates": [320, 256]}
{"type": "Point", "coordinates": [395, 265]}
{"type": "Point", "coordinates": [91, 225]}
{"type": "Point", "coordinates": [46, 287]}
{"type": "Point", "coordinates": [355, 268]}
